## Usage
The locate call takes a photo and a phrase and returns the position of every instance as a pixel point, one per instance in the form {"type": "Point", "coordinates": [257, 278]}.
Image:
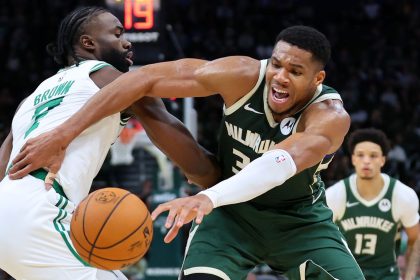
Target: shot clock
{"type": "Point", "coordinates": [144, 26]}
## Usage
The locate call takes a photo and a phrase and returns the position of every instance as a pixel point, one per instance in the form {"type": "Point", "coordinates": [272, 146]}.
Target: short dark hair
{"type": "Point", "coordinates": [371, 135]}
{"type": "Point", "coordinates": [71, 27]}
{"type": "Point", "coordinates": [309, 39]}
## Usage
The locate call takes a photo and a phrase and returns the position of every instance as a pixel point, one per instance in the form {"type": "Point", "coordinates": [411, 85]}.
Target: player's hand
{"type": "Point", "coordinates": [182, 211]}
{"type": "Point", "coordinates": [44, 151]}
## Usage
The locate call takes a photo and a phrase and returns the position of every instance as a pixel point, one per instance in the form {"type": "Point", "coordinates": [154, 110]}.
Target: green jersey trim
{"type": "Point", "coordinates": [42, 174]}
{"type": "Point", "coordinates": [71, 66]}
{"type": "Point", "coordinates": [99, 66]}
{"type": "Point", "coordinates": [59, 227]}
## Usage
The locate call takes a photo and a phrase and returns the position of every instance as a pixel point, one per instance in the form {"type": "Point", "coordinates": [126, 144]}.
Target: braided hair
{"type": "Point", "coordinates": [71, 27]}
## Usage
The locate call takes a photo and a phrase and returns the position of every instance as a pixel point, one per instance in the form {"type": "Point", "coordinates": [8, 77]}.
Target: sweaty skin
{"type": "Point", "coordinates": [292, 76]}
{"type": "Point", "coordinates": [104, 41]}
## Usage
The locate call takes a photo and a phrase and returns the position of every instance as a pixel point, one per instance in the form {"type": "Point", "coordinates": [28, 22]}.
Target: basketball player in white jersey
{"type": "Point", "coordinates": [34, 222]}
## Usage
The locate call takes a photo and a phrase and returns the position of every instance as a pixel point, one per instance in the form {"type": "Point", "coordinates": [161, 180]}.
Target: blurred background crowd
{"type": "Point", "coordinates": [374, 66]}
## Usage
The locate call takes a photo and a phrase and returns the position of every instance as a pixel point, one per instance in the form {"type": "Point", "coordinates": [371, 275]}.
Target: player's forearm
{"type": "Point", "coordinates": [111, 99]}
{"type": "Point", "coordinates": [413, 259]}
{"type": "Point", "coordinates": [276, 166]}
{"type": "Point", "coordinates": [306, 150]}
{"type": "Point", "coordinates": [174, 139]}
{"type": "Point", "coordinates": [5, 150]}
{"type": "Point", "coordinates": [208, 172]}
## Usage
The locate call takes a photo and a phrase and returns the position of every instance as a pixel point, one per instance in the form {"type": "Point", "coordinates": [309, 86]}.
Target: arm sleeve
{"type": "Point", "coordinates": [336, 200]}
{"type": "Point", "coordinates": [264, 173]}
{"type": "Point", "coordinates": [406, 205]}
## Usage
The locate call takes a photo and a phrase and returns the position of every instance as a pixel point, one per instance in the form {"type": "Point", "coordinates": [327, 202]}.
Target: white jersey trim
{"type": "Point", "coordinates": [369, 203]}
{"type": "Point", "coordinates": [405, 204]}
{"type": "Point", "coordinates": [206, 270]}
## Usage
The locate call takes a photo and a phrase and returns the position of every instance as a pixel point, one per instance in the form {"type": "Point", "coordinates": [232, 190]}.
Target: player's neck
{"type": "Point", "coordinates": [369, 188]}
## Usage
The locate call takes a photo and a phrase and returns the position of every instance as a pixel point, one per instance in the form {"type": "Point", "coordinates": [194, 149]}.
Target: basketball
{"type": "Point", "coordinates": [111, 229]}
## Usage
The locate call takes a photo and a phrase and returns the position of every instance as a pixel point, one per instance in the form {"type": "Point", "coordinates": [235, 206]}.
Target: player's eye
{"type": "Point", "coordinates": [296, 73]}
{"type": "Point", "coordinates": [275, 65]}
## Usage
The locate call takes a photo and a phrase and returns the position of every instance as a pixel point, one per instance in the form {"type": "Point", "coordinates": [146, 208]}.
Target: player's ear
{"type": "Point", "coordinates": [86, 42]}
{"type": "Point", "coordinates": [383, 161]}
{"type": "Point", "coordinates": [319, 78]}
{"type": "Point", "coordinates": [353, 160]}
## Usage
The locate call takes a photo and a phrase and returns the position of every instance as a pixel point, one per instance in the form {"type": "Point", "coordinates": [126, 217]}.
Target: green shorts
{"type": "Point", "coordinates": [233, 239]}
{"type": "Point", "coordinates": [390, 272]}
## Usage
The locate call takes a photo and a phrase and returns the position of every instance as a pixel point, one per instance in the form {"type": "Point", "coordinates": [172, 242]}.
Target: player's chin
{"type": "Point", "coordinates": [278, 109]}
{"type": "Point", "coordinates": [365, 176]}
{"type": "Point", "coordinates": [124, 68]}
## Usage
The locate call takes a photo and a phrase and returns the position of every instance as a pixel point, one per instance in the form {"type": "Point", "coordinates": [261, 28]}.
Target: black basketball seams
{"type": "Point", "coordinates": [99, 257]}
{"type": "Point", "coordinates": [103, 225]}
{"type": "Point", "coordinates": [83, 221]}
{"type": "Point", "coordinates": [128, 236]}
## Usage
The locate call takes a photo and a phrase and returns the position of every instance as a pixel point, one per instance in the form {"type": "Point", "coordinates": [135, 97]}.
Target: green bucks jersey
{"type": "Point", "coordinates": [370, 226]}
{"type": "Point", "coordinates": [249, 130]}
{"type": "Point", "coordinates": [370, 230]}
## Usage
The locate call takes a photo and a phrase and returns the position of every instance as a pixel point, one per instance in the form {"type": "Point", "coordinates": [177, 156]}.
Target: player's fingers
{"type": "Point", "coordinates": [173, 212]}
{"type": "Point", "coordinates": [49, 180]}
{"type": "Point", "coordinates": [159, 210]}
{"type": "Point", "coordinates": [19, 157]}
{"type": "Point", "coordinates": [199, 216]}
{"type": "Point", "coordinates": [185, 213]}
{"type": "Point", "coordinates": [48, 186]}
{"type": "Point", "coordinates": [21, 172]}
{"type": "Point", "coordinates": [55, 165]}
{"type": "Point", "coordinates": [202, 210]}
{"type": "Point", "coordinates": [172, 233]}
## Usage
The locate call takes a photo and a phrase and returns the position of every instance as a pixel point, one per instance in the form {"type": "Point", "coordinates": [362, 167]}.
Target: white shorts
{"type": "Point", "coordinates": [34, 235]}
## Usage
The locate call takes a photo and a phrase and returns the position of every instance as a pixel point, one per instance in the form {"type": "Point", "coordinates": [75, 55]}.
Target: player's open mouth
{"type": "Point", "coordinates": [129, 58]}
{"type": "Point", "coordinates": [279, 96]}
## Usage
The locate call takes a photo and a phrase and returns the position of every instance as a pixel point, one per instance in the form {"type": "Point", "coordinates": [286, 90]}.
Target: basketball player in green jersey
{"type": "Point", "coordinates": [369, 207]}
{"type": "Point", "coordinates": [281, 126]}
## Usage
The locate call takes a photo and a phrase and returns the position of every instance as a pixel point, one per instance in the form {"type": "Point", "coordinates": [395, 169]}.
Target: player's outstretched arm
{"type": "Point", "coordinates": [320, 132]}
{"type": "Point", "coordinates": [174, 139]}
{"type": "Point", "coordinates": [232, 77]}
{"type": "Point", "coordinates": [182, 211]}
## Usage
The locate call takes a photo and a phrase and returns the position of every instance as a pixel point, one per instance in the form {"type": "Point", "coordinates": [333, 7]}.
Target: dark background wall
{"type": "Point", "coordinates": [375, 59]}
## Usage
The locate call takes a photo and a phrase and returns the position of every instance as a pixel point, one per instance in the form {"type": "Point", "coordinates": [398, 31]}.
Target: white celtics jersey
{"type": "Point", "coordinates": [55, 100]}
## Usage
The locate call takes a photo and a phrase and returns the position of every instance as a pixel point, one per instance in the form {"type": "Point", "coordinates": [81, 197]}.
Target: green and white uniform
{"type": "Point", "coordinates": [283, 227]}
{"type": "Point", "coordinates": [34, 238]}
{"type": "Point", "coordinates": [371, 227]}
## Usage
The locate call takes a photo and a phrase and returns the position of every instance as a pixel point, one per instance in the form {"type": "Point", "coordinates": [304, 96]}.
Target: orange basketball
{"type": "Point", "coordinates": [111, 229]}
